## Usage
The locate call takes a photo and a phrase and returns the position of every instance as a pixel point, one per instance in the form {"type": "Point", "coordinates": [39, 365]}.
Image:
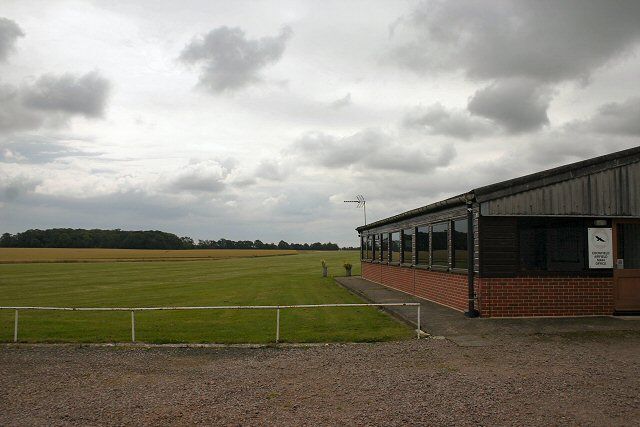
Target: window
{"type": "Point", "coordinates": [461, 251]}
{"type": "Point", "coordinates": [407, 246]}
{"type": "Point", "coordinates": [368, 255]}
{"type": "Point", "coordinates": [547, 245]}
{"type": "Point", "coordinates": [422, 245]}
{"type": "Point", "coordinates": [384, 252]}
{"type": "Point", "coordinates": [374, 247]}
{"type": "Point", "coordinates": [362, 247]}
{"type": "Point", "coordinates": [629, 245]}
{"type": "Point", "coordinates": [440, 244]}
{"type": "Point", "coordinates": [395, 247]}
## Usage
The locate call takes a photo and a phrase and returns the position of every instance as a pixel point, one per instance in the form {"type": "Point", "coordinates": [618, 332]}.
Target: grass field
{"type": "Point", "coordinates": [24, 255]}
{"type": "Point", "coordinates": [294, 279]}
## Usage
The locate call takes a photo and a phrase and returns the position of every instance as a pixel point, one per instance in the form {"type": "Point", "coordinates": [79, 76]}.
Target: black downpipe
{"type": "Point", "coordinates": [472, 312]}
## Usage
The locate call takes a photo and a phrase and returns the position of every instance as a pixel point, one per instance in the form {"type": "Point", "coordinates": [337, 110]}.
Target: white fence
{"type": "Point", "coordinates": [221, 307]}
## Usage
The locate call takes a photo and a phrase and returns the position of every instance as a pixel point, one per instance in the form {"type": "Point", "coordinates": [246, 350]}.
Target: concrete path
{"type": "Point", "coordinates": [438, 320]}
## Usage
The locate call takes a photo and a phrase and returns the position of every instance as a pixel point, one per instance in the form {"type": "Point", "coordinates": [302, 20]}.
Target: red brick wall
{"type": "Point", "coordinates": [400, 278]}
{"type": "Point", "coordinates": [509, 297]}
{"type": "Point", "coordinates": [371, 272]}
{"type": "Point", "coordinates": [544, 296]}
{"type": "Point", "coordinates": [444, 288]}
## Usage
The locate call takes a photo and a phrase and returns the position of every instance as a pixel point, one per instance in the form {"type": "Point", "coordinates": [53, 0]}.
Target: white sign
{"type": "Point", "coordinates": [600, 248]}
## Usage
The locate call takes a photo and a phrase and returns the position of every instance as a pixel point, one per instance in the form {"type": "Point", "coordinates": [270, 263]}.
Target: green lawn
{"type": "Point", "coordinates": [293, 279]}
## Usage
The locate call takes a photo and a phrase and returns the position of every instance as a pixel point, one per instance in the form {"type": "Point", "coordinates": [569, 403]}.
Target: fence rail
{"type": "Point", "coordinates": [277, 308]}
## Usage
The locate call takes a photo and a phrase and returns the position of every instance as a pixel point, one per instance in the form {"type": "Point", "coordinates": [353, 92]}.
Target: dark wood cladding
{"type": "Point", "coordinates": [500, 255]}
{"type": "Point", "coordinates": [498, 246]}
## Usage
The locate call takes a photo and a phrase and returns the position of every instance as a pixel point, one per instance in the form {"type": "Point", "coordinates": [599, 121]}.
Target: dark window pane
{"type": "Point", "coordinates": [533, 248]}
{"type": "Point", "coordinates": [552, 245]}
{"type": "Point", "coordinates": [395, 246]}
{"type": "Point", "coordinates": [368, 256]}
{"type": "Point", "coordinates": [461, 252]}
{"type": "Point", "coordinates": [440, 244]}
{"type": "Point", "coordinates": [629, 245]}
{"type": "Point", "coordinates": [385, 247]}
{"type": "Point", "coordinates": [376, 246]}
{"type": "Point", "coordinates": [362, 247]}
{"type": "Point", "coordinates": [422, 245]}
{"type": "Point", "coordinates": [407, 246]}
{"type": "Point", "coordinates": [374, 251]}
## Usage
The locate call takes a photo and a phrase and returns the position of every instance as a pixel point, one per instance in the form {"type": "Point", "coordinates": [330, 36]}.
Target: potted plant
{"type": "Point", "coordinates": [324, 268]}
{"type": "Point", "coordinates": [347, 267]}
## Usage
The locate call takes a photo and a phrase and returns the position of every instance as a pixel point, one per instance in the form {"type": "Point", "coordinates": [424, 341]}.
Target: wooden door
{"type": "Point", "coordinates": [626, 272]}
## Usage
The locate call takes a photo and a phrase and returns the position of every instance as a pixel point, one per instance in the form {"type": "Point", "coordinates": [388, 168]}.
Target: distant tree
{"type": "Point", "coordinates": [187, 242]}
{"type": "Point", "coordinates": [6, 240]}
{"type": "Point", "coordinates": [283, 245]}
{"type": "Point", "coordinates": [151, 239]}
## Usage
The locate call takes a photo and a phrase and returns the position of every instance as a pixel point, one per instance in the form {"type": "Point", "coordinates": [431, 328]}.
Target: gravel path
{"type": "Point", "coordinates": [541, 380]}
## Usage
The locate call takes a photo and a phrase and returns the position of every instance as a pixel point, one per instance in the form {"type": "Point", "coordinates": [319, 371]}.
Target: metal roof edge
{"type": "Point", "coordinates": [519, 184]}
{"type": "Point", "coordinates": [557, 174]}
{"type": "Point", "coordinates": [458, 200]}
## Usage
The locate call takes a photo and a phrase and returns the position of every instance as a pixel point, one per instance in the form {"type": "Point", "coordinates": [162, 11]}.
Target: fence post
{"type": "Point", "coordinates": [15, 328]}
{"type": "Point", "coordinates": [278, 324]}
{"type": "Point", "coordinates": [133, 326]}
{"type": "Point", "coordinates": [418, 332]}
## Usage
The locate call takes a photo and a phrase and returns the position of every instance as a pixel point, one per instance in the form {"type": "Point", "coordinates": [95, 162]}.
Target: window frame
{"type": "Point", "coordinates": [384, 248]}
{"type": "Point", "coordinates": [454, 261]}
{"type": "Point", "coordinates": [399, 251]}
{"type": "Point", "coordinates": [447, 264]}
{"type": "Point", "coordinates": [417, 251]}
{"type": "Point", "coordinates": [403, 251]}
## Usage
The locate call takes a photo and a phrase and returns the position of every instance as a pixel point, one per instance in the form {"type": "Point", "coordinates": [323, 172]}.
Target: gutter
{"type": "Point", "coordinates": [462, 199]}
{"type": "Point", "coordinates": [471, 312]}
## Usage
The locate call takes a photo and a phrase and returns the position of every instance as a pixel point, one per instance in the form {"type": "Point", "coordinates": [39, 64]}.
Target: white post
{"type": "Point", "coordinates": [15, 328]}
{"type": "Point", "coordinates": [133, 326]}
{"type": "Point", "coordinates": [418, 321]}
{"type": "Point", "coordinates": [277, 325]}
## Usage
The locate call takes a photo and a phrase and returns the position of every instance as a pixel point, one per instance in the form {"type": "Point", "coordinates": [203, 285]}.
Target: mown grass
{"type": "Point", "coordinates": [26, 255]}
{"type": "Point", "coordinates": [280, 280]}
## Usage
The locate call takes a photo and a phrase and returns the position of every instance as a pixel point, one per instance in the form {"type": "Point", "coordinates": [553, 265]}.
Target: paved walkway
{"type": "Point", "coordinates": [438, 320]}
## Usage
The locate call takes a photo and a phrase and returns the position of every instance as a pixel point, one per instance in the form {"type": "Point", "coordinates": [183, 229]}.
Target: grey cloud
{"type": "Point", "coordinates": [271, 170]}
{"type": "Point", "coordinates": [38, 150]}
{"type": "Point", "coordinates": [399, 158]}
{"type": "Point", "coordinates": [51, 101]}
{"type": "Point", "coordinates": [207, 176]}
{"type": "Point", "coordinates": [9, 33]}
{"type": "Point", "coordinates": [437, 120]}
{"type": "Point", "coordinates": [369, 148]}
{"type": "Point", "coordinates": [345, 101]}
{"type": "Point", "coordinates": [13, 187]}
{"type": "Point", "coordinates": [543, 40]}
{"type": "Point", "coordinates": [333, 152]}
{"type": "Point", "coordinates": [619, 118]}
{"type": "Point", "coordinates": [112, 210]}
{"type": "Point", "coordinates": [68, 93]}
{"type": "Point", "coordinates": [229, 60]}
{"type": "Point", "coordinates": [14, 115]}
{"type": "Point", "coordinates": [518, 105]}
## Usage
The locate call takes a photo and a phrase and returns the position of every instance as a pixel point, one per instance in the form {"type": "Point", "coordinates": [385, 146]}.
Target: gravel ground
{"type": "Point", "coordinates": [540, 380]}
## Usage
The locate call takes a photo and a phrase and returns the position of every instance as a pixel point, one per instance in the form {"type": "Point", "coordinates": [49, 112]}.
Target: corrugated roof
{"type": "Point", "coordinates": [520, 184]}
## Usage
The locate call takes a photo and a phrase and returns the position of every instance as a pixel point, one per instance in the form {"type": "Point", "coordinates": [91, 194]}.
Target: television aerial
{"type": "Point", "coordinates": [361, 203]}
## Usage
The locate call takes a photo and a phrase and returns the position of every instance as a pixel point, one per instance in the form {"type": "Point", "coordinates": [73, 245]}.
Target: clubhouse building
{"type": "Point", "coordinates": [562, 242]}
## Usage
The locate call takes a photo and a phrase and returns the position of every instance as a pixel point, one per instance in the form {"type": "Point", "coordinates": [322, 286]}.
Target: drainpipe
{"type": "Point", "coordinates": [471, 312]}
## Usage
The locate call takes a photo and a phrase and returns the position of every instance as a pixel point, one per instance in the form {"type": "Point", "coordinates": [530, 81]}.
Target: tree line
{"type": "Point", "coordinates": [151, 239]}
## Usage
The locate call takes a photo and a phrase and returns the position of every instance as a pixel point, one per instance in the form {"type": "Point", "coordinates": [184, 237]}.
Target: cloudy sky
{"type": "Point", "coordinates": [250, 120]}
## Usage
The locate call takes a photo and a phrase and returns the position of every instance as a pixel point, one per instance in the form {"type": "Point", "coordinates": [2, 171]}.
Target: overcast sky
{"type": "Point", "coordinates": [250, 120]}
